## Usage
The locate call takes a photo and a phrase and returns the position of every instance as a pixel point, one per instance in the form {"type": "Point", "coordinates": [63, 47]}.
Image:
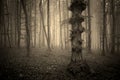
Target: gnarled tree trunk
{"type": "Point", "coordinates": [77, 7]}
{"type": "Point", "coordinates": [77, 64]}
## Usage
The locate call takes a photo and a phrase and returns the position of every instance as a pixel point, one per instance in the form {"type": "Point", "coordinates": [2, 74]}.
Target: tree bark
{"type": "Point", "coordinates": [77, 64]}
{"type": "Point", "coordinates": [77, 29]}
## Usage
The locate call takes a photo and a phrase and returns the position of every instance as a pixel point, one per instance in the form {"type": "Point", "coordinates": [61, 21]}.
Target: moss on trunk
{"type": "Point", "coordinates": [77, 64]}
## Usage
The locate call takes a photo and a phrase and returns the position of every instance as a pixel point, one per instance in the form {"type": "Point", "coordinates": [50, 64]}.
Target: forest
{"type": "Point", "coordinates": [59, 39]}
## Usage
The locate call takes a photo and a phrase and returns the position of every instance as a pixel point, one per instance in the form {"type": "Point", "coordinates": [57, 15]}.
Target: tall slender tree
{"type": "Point", "coordinates": [48, 23]}
{"type": "Point", "coordinates": [113, 26]}
{"type": "Point", "coordinates": [89, 27]}
{"type": "Point", "coordinates": [35, 24]}
{"type": "Point", "coordinates": [104, 27]}
{"type": "Point", "coordinates": [60, 25]}
{"type": "Point", "coordinates": [18, 22]}
{"type": "Point", "coordinates": [23, 2]}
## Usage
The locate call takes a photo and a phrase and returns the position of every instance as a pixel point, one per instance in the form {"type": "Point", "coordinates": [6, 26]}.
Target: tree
{"type": "Point", "coordinates": [18, 23]}
{"type": "Point", "coordinates": [77, 7]}
{"type": "Point", "coordinates": [113, 27]}
{"type": "Point", "coordinates": [104, 27]}
{"type": "Point", "coordinates": [89, 27]}
{"type": "Point", "coordinates": [48, 23]}
{"type": "Point", "coordinates": [60, 25]}
{"type": "Point", "coordinates": [35, 24]}
{"type": "Point", "coordinates": [27, 26]}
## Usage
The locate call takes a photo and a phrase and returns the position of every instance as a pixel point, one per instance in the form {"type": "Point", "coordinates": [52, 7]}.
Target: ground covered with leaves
{"type": "Point", "coordinates": [52, 65]}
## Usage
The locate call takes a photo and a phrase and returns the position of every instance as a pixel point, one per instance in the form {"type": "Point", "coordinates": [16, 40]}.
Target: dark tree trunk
{"type": "Point", "coordinates": [104, 27]}
{"type": "Point", "coordinates": [48, 23]}
{"type": "Point", "coordinates": [1, 22]}
{"type": "Point", "coordinates": [18, 22]}
{"type": "Point", "coordinates": [113, 27]}
{"type": "Point", "coordinates": [77, 64]}
{"type": "Point", "coordinates": [76, 41]}
{"type": "Point", "coordinates": [89, 27]}
{"type": "Point", "coordinates": [35, 24]}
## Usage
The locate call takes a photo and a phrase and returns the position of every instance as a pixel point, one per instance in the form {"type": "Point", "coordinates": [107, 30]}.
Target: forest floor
{"type": "Point", "coordinates": [45, 65]}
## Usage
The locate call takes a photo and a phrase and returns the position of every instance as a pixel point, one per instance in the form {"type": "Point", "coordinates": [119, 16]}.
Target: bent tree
{"type": "Point", "coordinates": [77, 64]}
